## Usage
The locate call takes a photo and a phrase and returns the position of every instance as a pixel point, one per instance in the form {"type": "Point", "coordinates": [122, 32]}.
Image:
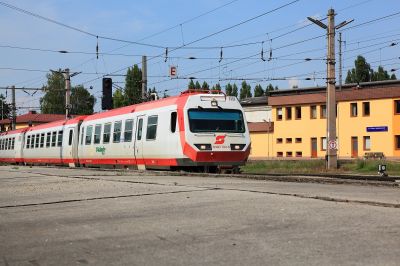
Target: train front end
{"type": "Point", "coordinates": [215, 132]}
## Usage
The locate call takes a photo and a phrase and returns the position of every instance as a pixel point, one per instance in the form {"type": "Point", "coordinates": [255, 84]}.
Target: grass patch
{"type": "Point", "coordinates": [318, 166]}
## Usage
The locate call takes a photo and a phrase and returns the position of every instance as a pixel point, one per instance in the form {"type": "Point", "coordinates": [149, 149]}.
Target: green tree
{"type": "Point", "coordinates": [361, 71]}
{"type": "Point", "coordinates": [197, 86]}
{"type": "Point", "coordinates": [133, 86]}
{"type": "Point", "coordinates": [191, 85]}
{"type": "Point", "coordinates": [205, 86]}
{"type": "Point", "coordinates": [235, 90]}
{"type": "Point", "coordinates": [5, 107]}
{"type": "Point", "coordinates": [82, 102]}
{"type": "Point", "coordinates": [270, 87]}
{"type": "Point", "coordinates": [118, 99]}
{"type": "Point", "coordinates": [381, 74]}
{"type": "Point", "coordinates": [245, 91]}
{"type": "Point", "coordinates": [228, 89]}
{"type": "Point", "coordinates": [258, 91]}
{"type": "Point", "coordinates": [53, 102]}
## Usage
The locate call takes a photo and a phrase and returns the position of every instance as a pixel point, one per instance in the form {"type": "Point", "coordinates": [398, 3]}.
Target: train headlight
{"type": "Point", "coordinates": [214, 103]}
{"type": "Point", "coordinates": [237, 147]}
{"type": "Point", "coordinates": [203, 147]}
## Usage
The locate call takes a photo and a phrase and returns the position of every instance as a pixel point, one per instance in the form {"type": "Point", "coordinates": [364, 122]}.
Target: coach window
{"type": "Point", "coordinates": [82, 135]}
{"type": "Point", "coordinates": [117, 131]}
{"type": "Point", "coordinates": [71, 133]}
{"type": "Point", "coordinates": [12, 143]}
{"type": "Point", "coordinates": [60, 138]}
{"type": "Point", "coordinates": [151, 127]}
{"type": "Point", "coordinates": [128, 130]}
{"type": "Point", "coordinates": [140, 128]}
{"type": "Point", "coordinates": [42, 140]}
{"type": "Point", "coordinates": [53, 138]}
{"type": "Point", "coordinates": [1, 144]}
{"type": "Point", "coordinates": [48, 139]}
{"type": "Point", "coordinates": [173, 122]}
{"type": "Point", "coordinates": [89, 131]}
{"type": "Point", "coordinates": [37, 140]}
{"type": "Point", "coordinates": [106, 134]}
{"type": "Point", "coordinates": [28, 142]}
{"type": "Point", "coordinates": [97, 134]}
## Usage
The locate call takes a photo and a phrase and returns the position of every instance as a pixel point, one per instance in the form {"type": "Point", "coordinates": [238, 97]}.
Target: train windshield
{"type": "Point", "coordinates": [216, 120]}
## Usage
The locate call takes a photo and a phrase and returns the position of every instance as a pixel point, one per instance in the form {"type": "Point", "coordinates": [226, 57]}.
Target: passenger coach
{"type": "Point", "coordinates": [191, 131]}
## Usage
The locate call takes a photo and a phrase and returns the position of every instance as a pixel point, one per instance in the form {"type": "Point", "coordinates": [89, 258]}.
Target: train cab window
{"type": "Point", "coordinates": [42, 140]}
{"type": "Point", "coordinates": [60, 138]}
{"type": "Point", "coordinates": [97, 134]}
{"type": "Point", "coordinates": [216, 120]}
{"type": "Point", "coordinates": [117, 131]}
{"type": "Point", "coordinates": [48, 139]}
{"type": "Point", "coordinates": [151, 127]}
{"type": "Point", "coordinates": [140, 129]}
{"type": "Point", "coordinates": [37, 141]}
{"type": "Point", "coordinates": [173, 122]}
{"type": "Point", "coordinates": [88, 138]}
{"type": "Point", "coordinates": [53, 139]}
{"type": "Point", "coordinates": [28, 142]}
{"type": "Point", "coordinates": [71, 133]}
{"type": "Point", "coordinates": [128, 130]}
{"type": "Point", "coordinates": [106, 133]}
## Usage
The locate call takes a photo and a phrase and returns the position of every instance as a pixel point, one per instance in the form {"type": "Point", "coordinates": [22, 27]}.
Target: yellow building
{"type": "Point", "coordinates": [368, 123]}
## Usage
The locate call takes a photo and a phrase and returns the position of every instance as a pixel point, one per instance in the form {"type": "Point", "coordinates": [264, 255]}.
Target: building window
{"type": "Point", "coordinates": [128, 130]}
{"type": "Point", "coordinates": [289, 154]}
{"type": "Point", "coordinates": [279, 113]}
{"type": "Point", "coordinates": [288, 111]}
{"type": "Point", "coordinates": [297, 112]}
{"type": "Point", "coordinates": [367, 143]}
{"type": "Point", "coordinates": [299, 154]}
{"type": "Point", "coordinates": [397, 141]}
{"type": "Point", "coordinates": [353, 109]}
{"type": "Point", "coordinates": [117, 131]}
{"type": "Point", "coordinates": [279, 140]}
{"type": "Point", "coordinates": [313, 112]}
{"type": "Point", "coordinates": [366, 110]}
{"type": "Point", "coordinates": [397, 107]}
{"type": "Point", "coordinates": [323, 143]}
{"type": "Point", "coordinates": [97, 134]}
{"type": "Point", "coordinates": [279, 154]}
{"type": "Point", "coordinates": [299, 140]}
{"type": "Point", "coordinates": [106, 133]}
{"type": "Point", "coordinates": [323, 111]}
{"type": "Point", "coordinates": [288, 140]}
{"type": "Point", "coordinates": [151, 127]}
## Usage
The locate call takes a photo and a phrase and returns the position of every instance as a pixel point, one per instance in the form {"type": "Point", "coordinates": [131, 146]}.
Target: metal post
{"type": "Point", "coordinates": [14, 109]}
{"type": "Point", "coordinates": [144, 76]}
{"type": "Point", "coordinates": [67, 92]}
{"type": "Point", "coordinates": [331, 93]}
{"type": "Point", "coordinates": [340, 61]}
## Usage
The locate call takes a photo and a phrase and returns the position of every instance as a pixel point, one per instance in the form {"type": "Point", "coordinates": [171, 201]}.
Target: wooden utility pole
{"type": "Point", "coordinates": [14, 109]}
{"type": "Point", "coordinates": [144, 77]}
{"type": "Point", "coordinates": [331, 87]}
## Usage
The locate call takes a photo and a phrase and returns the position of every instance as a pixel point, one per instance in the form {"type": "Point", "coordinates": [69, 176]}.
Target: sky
{"type": "Point", "coordinates": [243, 28]}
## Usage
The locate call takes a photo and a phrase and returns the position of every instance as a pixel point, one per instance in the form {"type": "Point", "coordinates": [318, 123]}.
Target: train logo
{"type": "Point", "coordinates": [220, 139]}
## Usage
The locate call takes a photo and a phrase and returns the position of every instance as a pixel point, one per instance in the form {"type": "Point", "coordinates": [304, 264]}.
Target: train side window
{"type": "Point", "coordinates": [1, 144]}
{"type": "Point", "coordinates": [173, 122]}
{"type": "Point", "coordinates": [42, 140]}
{"type": "Point", "coordinates": [5, 144]}
{"type": "Point", "coordinates": [128, 130]}
{"type": "Point", "coordinates": [28, 142]}
{"type": "Point", "coordinates": [97, 134]}
{"type": "Point", "coordinates": [106, 133]}
{"type": "Point", "coordinates": [12, 143]}
{"type": "Point", "coordinates": [89, 131]}
{"type": "Point", "coordinates": [53, 138]}
{"type": "Point", "coordinates": [117, 131]}
{"type": "Point", "coordinates": [140, 129]}
{"type": "Point", "coordinates": [71, 133]}
{"type": "Point", "coordinates": [82, 134]}
{"type": "Point", "coordinates": [60, 138]}
{"type": "Point", "coordinates": [48, 139]}
{"type": "Point", "coordinates": [37, 141]}
{"type": "Point", "coordinates": [151, 127]}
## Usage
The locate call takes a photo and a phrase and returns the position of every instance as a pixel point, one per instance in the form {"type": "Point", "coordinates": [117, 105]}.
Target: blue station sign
{"type": "Point", "coordinates": [377, 129]}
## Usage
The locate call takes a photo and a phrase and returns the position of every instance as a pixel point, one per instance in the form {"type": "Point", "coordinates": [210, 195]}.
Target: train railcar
{"type": "Point", "coordinates": [193, 130]}
{"type": "Point", "coordinates": [11, 143]}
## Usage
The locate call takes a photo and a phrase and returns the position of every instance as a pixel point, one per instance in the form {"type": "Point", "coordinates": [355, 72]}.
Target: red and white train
{"type": "Point", "coordinates": [190, 131]}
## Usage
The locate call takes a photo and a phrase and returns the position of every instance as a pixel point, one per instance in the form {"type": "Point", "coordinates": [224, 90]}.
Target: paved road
{"type": "Point", "coordinates": [51, 216]}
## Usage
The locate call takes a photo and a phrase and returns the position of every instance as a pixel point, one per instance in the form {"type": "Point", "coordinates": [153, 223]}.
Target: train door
{"type": "Point", "coordinates": [70, 151]}
{"type": "Point", "coordinates": [139, 142]}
